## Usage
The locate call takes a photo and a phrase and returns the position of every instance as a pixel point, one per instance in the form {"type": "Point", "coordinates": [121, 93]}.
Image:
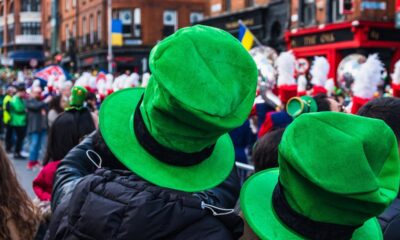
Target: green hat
{"type": "Point", "coordinates": [337, 171]}
{"type": "Point", "coordinates": [78, 97]}
{"type": "Point", "coordinates": [299, 105]}
{"type": "Point", "coordinates": [174, 133]}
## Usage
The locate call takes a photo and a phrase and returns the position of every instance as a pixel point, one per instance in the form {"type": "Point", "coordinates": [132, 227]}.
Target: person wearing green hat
{"type": "Point", "coordinates": [337, 173]}
{"type": "Point", "coordinates": [172, 137]}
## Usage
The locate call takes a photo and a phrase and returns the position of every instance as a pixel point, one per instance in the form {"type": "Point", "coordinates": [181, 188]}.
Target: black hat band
{"type": "Point", "coordinates": [304, 226]}
{"type": "Point", "coordinates": [162, 153]}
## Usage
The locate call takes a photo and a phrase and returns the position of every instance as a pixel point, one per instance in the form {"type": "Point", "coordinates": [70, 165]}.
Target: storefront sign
{"type": "Point", "coordinates": [384, 34]}
{"type": "Point", "coordinates": [373, 5]}
{"type": "Point", "coordinates": [322, 38]}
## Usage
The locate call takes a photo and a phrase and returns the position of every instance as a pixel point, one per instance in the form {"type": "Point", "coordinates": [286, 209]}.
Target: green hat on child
{"type": "Point", "coordinates": [78, 97]}
{"type": "Point", "coordinates": [337, 172]}
{"type": "Point", "coordinates": [174, 133]}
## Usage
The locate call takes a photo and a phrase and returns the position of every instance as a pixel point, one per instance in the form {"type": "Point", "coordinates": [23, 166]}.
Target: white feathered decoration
{"type": "Point", "coordinates": [301, 83]}
{"type": "Point", "coordinates": [367, 80]}
{"type": "Point", "coordinates": [285, 65]}
{"type": "Point", "coordinates": [330, 87]}
{"type": "Point", "coordinates": [396, 73]}
{"type": "Point", "coordinates": [109, 82]}
{"type": "Point", "coordinates": [145, 79]}
{"type": "Point", "coordinates": [319, 71]}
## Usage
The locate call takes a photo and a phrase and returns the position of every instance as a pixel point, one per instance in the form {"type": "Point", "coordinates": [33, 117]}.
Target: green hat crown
{"type": "Point", "coordinates": [299, 105]}
{"type": "Point", "coordinates": [78, 96]}
{"type": "Point", "coordinates": [203, 84]}
{"type": "Point", "coordinates": [346, 173]}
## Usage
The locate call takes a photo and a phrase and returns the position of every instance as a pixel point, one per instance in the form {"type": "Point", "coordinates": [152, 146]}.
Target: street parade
{"type": "Point", "coordinates": [244, 120]}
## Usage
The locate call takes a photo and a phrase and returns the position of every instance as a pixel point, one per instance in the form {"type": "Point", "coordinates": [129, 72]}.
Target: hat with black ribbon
{"type": "Point", "coordinates": [337, 172]}
{"type": "Point", "coordinates": [174, 133]}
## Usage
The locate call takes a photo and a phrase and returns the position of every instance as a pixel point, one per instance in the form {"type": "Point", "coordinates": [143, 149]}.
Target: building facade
{"type": "Point", "coordinates": [338, 28]}
{"type": "Point", "coordinates": [83, 30]}
{"type": "Point", "coordinates": [21, 33]}
{"type": "Point", "coordinates": [266, 19]}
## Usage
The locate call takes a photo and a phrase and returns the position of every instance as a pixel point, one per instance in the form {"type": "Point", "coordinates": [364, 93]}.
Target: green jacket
{"type": "Point", "coordinates": [6, 113]}
{"type": "Point", "coordinates": [18, 112]}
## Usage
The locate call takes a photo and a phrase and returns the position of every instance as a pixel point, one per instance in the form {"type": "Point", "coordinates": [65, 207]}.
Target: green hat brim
{"type": "Point", "coordinates": [116, 126]}
{"type": "Point", "coordinates": [256, 205]}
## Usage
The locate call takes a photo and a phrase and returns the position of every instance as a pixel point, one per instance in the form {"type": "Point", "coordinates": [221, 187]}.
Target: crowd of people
{"type": "Point", "coordinates": [157, 161]}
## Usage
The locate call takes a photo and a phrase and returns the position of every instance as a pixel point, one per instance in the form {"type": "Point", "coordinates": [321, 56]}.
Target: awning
{"type": "Point", "coordinates": [26, 56]}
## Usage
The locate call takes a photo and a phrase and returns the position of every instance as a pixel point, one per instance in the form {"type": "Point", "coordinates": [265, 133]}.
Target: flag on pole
{"type": "Point", "coordinates": [52, 70]}
{"type": "Point", "coordinates": [245, 36]}
{"type": "Point", "coordinates": [116, 32]}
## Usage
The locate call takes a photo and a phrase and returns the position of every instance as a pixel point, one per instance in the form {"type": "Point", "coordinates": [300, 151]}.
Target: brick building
{"type": "Point", "coordinates": [338, 28]}
{"type": "Point", "coordinates": [83, 29]}
{"type": "Point", "coordinates": [267, 19]}
{"type": "Point", "coordinates": [20, 33]}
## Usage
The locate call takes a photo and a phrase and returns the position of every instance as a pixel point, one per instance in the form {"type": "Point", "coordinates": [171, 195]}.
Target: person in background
{"type": "Point", "coordinates": [19, 218]}
{"type": "Point", "coordinates": [55, 109]}
{"type": "Point", "coordinates": [265, 151]}
{"type": "Point", "coordinates": [67, 131]}
{"type": "Point", "coordinates": [18, 119]}
{"type": "Point", "coordinates": [91, 104]}
{"type": "Point", "coordinates": [2, 96]}
{"type": "Point", "coordinates": [388, 110]}
{"type": "Point", "coordinates": [37, 125]}
{"type": "Point", "coordinates": [7, 118]}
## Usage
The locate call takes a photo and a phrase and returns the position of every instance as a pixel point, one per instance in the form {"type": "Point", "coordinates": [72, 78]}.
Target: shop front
{"type": "Point", "coordinates": [336, 41]}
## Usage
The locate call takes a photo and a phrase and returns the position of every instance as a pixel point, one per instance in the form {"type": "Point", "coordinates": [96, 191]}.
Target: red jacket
{"type": "Point", "coordinates": [43, 183]}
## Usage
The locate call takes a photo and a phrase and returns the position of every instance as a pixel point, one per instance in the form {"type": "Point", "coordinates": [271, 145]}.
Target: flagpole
{"type": "Point", "coordinates": [255, 38]}
{"type": "Point", "coordinates": [110, 53]}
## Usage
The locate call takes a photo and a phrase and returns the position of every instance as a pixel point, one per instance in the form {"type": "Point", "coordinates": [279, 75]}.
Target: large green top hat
{"type": "Point", "coordinates": [174, 133]}
{"type": "Point", "coordinates": [337, 172]}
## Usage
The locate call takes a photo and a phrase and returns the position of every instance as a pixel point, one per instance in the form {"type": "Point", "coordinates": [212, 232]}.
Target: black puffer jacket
{"type": "Point", "coordinates": [76, 165]}
{"type": "Point", "coordinates": [119, 205]}
{"type": "Point", "coordinates": [390, 221]}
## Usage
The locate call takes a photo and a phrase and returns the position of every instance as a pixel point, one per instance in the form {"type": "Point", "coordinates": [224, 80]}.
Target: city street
{"type": "Point", "coordinates": [25, 176]}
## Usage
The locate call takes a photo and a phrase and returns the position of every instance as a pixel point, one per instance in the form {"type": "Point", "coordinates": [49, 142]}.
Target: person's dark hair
{"type": "Point", "coordinates": [67, 131]}
{"type": "Point", "coordinates": [55, 104]}
{"type": "Point", "coordinates": [108, 158]}
{"type": "Point", "coordinates": [322, 102]}
{"type": "Point", "coordinates": [386, 109]}
{"type": "Point", "coordinates": [91, 96]}
{"type": "Point", "coordinates": [265, 152]}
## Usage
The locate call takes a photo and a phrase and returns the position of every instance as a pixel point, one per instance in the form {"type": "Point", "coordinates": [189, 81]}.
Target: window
{"type": "Point", "coordinates": [249, 3]}
{"type": "Point", "coordinates": [73, 3]}
{"type": "Point", "coordinates": [227, 5]}
{"type": "Point", "coordinates": [99, 26]}
{"type": "Point", "coordinates": [11, 8]}
{"type": "Point", "coordinates": [195, 17]}
{"type": "Point", "coordinates": [125, 16]}
{"type": "Point", "coordinates": [307, 12]}
{"type": "Point", "coordinates": [31, 28]}
{"type": "Point", "coordinates": [11, 33]}
{"type": "Point", "coordinates": [31, 5]}
{"type": "Point", "coordinates": [91, 29]}
{"type": "Point", "coordinates": [131, 21]}
{"type": "Point", "coordinates": [67, 37]}
{"type": "Point", "coordinates": [67, 5]}
{"type": "Point", "coordinates": [334, 11]}
{"type": "Point", "coordinates": [170, 22]}
{"type": "Point", "coordinates": [84, 31]}
{"type": "Point", "coordinates": [1, 35]}
{"type": "Point", "coordinates": [137, 32]}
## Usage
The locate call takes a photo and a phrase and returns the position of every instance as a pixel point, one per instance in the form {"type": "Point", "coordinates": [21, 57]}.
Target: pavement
{"type": "Point", "coordinates": [25, 177]}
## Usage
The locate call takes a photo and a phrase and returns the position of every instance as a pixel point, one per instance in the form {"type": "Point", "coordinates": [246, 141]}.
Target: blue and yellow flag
{"type": "Point", "coordinates": [245, 37]}
{"type": "Point", "coordinates": [116, 33]}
